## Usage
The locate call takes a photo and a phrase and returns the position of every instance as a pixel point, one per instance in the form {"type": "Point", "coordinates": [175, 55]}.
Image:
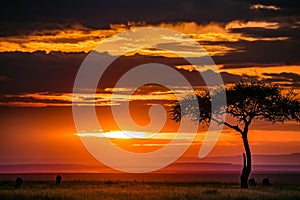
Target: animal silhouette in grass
{"type": "Point", "coordinates": [252, 182]}
{"type": "Point", "coordinates": [246, 102]}
{"type": "Point", "coordinates": [58, 180]}
{"type": "Point", "coordinates": [19, 182]}
{"type": "Point", "coordinates": [266, 182]}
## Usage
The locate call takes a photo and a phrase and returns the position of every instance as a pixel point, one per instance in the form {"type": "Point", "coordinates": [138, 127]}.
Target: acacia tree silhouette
{"type": "Point", "coordinates": [246, 102]}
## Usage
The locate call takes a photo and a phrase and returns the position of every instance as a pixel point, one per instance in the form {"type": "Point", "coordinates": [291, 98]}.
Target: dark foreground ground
{"type": "Point", "coordinates": [78, 190]}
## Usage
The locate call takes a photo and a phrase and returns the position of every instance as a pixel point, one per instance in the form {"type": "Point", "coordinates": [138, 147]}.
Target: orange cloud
{"type": "Point", "coordinates": [261, 7]}
{"type": "Point", "coordinates": [259, 70]}
{"type": "Point", "coordinates": [99, 99]}
{"type": "Point", "coordinates": [82, 39]}
{"type": "Point", "coordinates": [252, 24]}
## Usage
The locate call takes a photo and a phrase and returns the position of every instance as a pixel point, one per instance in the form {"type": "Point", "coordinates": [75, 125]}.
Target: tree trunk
{"type": "Point", "coordinates": [247, 163]}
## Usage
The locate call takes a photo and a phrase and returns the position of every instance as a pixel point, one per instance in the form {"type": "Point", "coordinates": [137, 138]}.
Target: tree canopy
{"type": "Point", "coordinates": [246, 102]}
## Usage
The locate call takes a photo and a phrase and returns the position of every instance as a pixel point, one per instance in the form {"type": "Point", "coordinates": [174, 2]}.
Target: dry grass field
{"type": "Point", "coordinates": [123, 190]}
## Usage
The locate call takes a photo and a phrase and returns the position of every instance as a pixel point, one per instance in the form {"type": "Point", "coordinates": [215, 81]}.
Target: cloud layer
{"type": "Point", "coordinates": [43, 45]}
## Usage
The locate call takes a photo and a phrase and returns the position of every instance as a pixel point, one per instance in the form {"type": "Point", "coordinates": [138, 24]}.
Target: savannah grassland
{"type": "Point", "coordinates": [78, 190]}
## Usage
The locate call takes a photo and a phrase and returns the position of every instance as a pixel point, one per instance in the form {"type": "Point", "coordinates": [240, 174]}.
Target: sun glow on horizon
{"type": "Point", "coordinates": [118, 134]}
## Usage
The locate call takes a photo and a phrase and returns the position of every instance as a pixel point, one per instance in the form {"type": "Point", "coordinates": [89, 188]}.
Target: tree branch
{"type": "Point", "coordinates": [227, 124]}
{"type": "Point", "coordinates": [217, 121]}
{"type": "Point", "coordinates": [234, 127]}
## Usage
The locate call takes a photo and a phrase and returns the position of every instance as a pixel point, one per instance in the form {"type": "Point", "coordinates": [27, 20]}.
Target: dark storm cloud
{"type": "Point", "coordinates": [291, 30]}
{"type": "Point", "coordinates": [291, 78]}
{"type": "Point", "coordinates": [288, 8]}
{"type": "Point", "coordinates": [261, 53]}
{"type": "Point", "coordinates": [21, 17]}
{"type": "Point", "coordinates": [17, 99]}
{"type": "Point", "coordinates": [56, 72]}
{"type": "Point", "coordinates": [38, 72]}
{"type": "Point", "coordinates": [233, 78]}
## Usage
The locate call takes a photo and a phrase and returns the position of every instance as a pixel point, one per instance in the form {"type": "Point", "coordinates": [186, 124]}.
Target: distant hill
{"type": "Point", "coordinates": [283, 159]}
{"type": "Point", "coordinates": [261, 163]}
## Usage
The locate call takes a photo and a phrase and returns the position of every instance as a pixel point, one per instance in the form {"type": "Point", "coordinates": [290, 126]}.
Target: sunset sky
{"type": "Point", "coordinates": [43, 44]}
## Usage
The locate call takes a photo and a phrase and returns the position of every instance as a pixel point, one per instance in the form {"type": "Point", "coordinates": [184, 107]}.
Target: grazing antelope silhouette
{"type": "Point", "coordinates": [19, 182]}
{"type": "Point", "coordinates": [252, 182]}
{"type": "Point", "coordinates": [58, 179]}
{"type": "Point", "coordinates": [266, 182]}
